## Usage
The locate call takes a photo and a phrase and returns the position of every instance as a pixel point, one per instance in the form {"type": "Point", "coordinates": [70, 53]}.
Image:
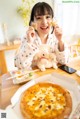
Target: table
{"type": "Point", "coordinates": [8, 88]}
{"type": "Point", "coordinates": [3, 48]}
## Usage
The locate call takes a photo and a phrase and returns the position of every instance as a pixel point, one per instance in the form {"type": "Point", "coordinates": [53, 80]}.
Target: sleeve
{"type": "Point", "coordinates": [24, 56]}
{"type": "Point", "coordinates": [63, 57]}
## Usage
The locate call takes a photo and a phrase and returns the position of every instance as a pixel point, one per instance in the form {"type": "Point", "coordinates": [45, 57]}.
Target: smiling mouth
{"type": "Point", "coordinates": [44, 28]}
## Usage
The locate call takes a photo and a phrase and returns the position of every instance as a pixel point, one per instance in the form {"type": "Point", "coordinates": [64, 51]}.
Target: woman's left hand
{"type": "Point", "coordinates": [58, 32]}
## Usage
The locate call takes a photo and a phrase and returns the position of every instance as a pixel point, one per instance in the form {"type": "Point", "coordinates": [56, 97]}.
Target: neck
{"type": "Point", "coordinates": [44, 38]}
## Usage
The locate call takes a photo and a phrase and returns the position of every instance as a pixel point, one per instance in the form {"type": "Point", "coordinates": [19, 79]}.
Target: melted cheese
{"type": "Point", "coordinates": [46, 100]}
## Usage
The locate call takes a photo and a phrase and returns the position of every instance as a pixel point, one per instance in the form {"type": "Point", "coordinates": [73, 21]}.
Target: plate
{"type": "Point", "coordinates": [21, 76]}
{"type": "Point", "coordinates": [70, 84]}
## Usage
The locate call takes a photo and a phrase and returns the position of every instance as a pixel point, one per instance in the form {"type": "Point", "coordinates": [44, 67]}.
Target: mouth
{"type": "Point", "coordinates": [44, 28]}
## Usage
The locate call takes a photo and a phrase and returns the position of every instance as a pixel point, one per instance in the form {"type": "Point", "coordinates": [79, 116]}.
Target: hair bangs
{"type": "Point", "coordinates": [39, 9]}
{"type": "Point", "coordinates": [43, 11]}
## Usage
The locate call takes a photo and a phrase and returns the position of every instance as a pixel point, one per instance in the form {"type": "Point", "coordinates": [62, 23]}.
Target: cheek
{"type": "Point", "coordinates": [38, 26]}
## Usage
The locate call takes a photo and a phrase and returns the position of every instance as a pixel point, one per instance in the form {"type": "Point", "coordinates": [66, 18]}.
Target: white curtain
{"type": "Point", "coordinates": [68, 17]}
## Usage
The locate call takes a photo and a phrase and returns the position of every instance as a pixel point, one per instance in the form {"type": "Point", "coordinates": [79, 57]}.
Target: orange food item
{"type": "Point", "coordinates": [34, 25]}
{"type": "Point", "coordinates": [53, 23]}
{"type": "Point", "coordinates": [46, 101]}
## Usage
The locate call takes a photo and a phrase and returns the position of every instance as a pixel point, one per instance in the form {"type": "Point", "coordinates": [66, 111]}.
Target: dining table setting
{"type": "Point", "coordinates": [14, 83]}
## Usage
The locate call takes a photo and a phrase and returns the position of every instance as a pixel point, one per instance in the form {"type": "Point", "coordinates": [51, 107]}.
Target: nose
{"type": "Point", "coordinates": [44, 20]}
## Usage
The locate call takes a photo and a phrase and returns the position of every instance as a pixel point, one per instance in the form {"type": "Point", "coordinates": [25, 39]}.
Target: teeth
{"type": "Point", "coordinates": [34, 25]}
{"type": "Point", "coordinates": [44, 27]}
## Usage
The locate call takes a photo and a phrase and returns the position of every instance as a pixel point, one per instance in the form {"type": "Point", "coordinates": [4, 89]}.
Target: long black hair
{"type": "Point", "coordinates": [41, 8]}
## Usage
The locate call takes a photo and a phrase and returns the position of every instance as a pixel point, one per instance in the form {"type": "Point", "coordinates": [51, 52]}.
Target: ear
{"type": "Point", "coordinates": [36, 56]}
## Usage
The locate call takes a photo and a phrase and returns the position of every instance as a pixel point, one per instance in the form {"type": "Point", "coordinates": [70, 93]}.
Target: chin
{"type": "Point", "coordinates": [45, 32]}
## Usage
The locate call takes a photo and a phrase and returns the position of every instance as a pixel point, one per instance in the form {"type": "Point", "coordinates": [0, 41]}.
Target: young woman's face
{"type": "Point", "coordinates": [43, 24]}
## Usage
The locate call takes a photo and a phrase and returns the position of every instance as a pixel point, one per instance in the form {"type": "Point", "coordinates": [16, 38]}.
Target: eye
{"type": "Point", "coordinates": [38, 18]}
{"type": "Point", "coordinates": [48, 16]}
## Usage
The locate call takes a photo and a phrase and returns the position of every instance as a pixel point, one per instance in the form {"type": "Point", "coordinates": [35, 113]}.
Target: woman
{"type": "Point", "coordinates": [41, 32]}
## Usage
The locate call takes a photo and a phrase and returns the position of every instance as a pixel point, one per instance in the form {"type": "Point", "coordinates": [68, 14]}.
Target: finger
{"type": "Point", "coordinates": [31, 34]}
{"type": "Point", "coordinates": [58, 31]}
{"type": "Point", "coordinates": [31, 31]}
{"type": "Point", "coordinates": [31, 28]}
